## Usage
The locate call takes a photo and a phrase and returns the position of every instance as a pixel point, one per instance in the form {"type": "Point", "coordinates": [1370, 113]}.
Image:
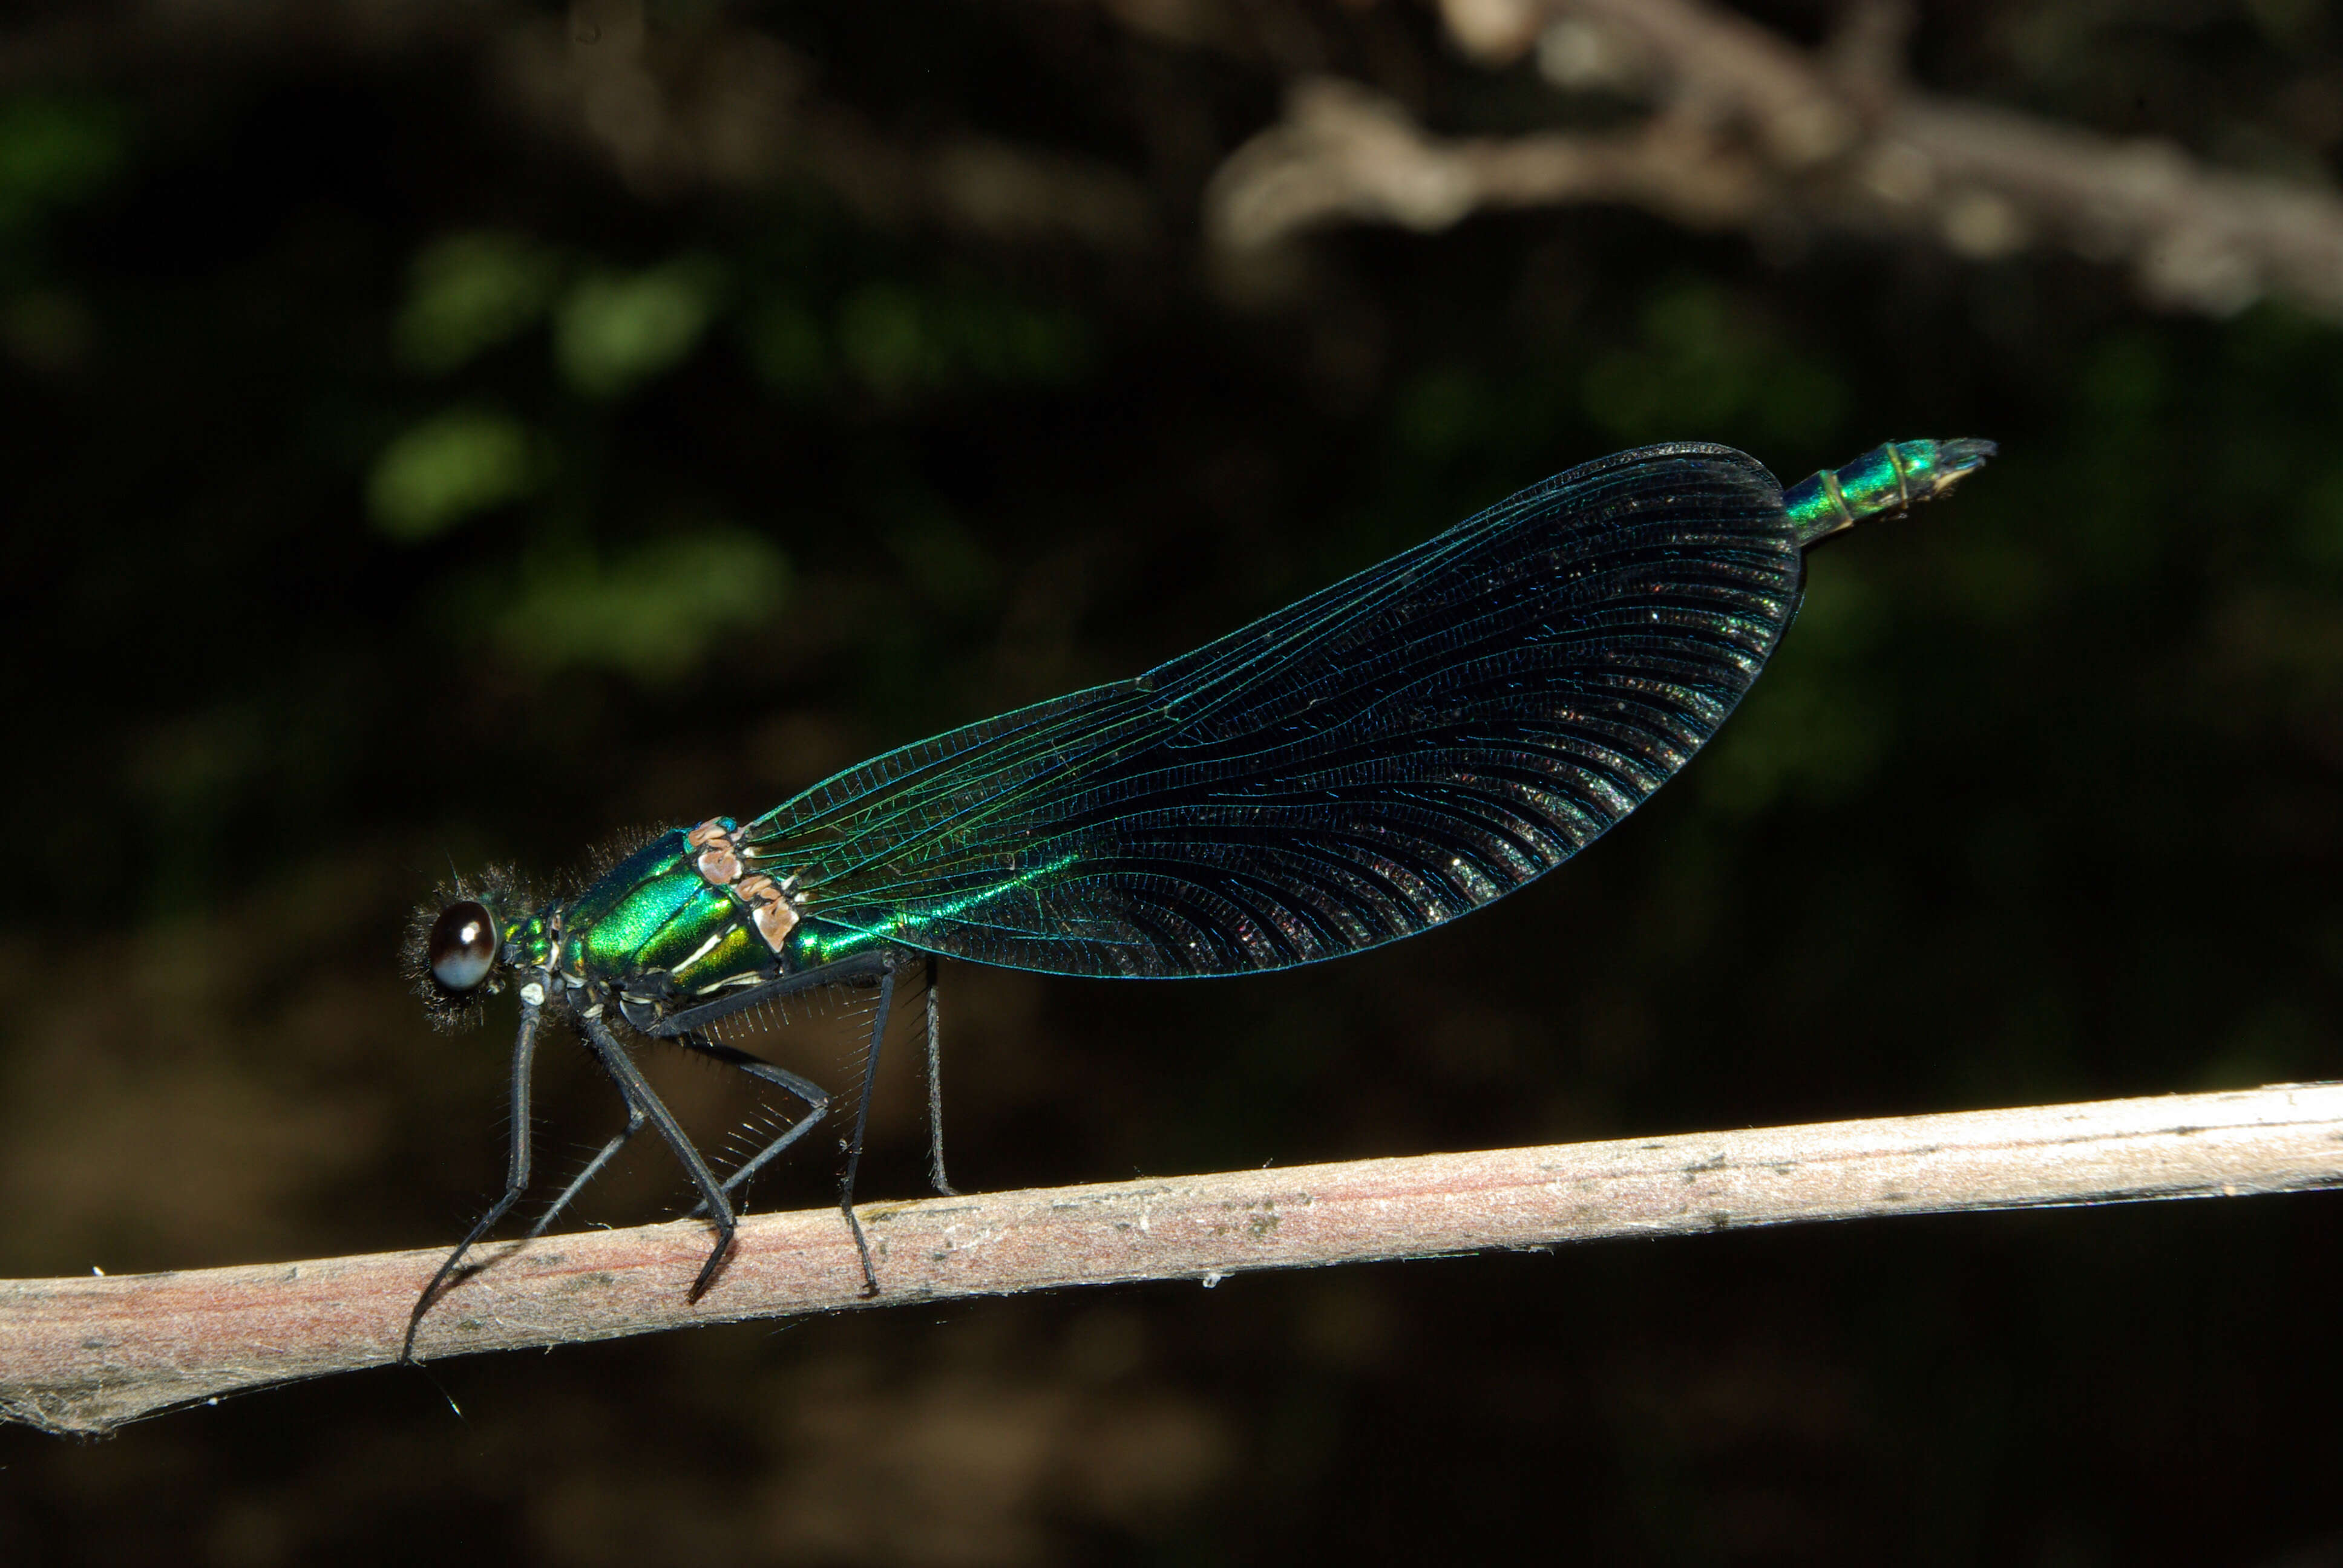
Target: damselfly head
{"type": "Point", "coordinates": [455, 947]}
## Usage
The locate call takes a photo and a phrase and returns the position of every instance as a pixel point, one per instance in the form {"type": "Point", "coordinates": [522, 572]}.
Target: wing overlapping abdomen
{"type": "Point", "coordinates": [1381, 757]}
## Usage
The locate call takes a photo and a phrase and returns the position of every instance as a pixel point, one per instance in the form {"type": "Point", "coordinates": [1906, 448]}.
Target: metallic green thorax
{"type": "Point", "coordinates": [531, 940]}
{"type": "Point", "coordinates": [1886, 479]}
{"type": "Point", "coordinates": [651, 927]}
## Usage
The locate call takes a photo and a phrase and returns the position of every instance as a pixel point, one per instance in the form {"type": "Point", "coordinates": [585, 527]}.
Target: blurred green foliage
{"type": "Point", "coordinates": [1703, 363]}
{"type": "Point", "coordinates": [898, 340]}
{"type": "Point", "coordinates": [55, 151]}
{"type": "Point", "coordinates": [652, 612]}
{"type": "Point", "coordinates": [471, 293]}
{"type": "Point", "coordinates": [1821, 725]}
{"type": "Point", "coordinates": [613, 330]}
{"type": "Point", "coordinates": [449, 466]}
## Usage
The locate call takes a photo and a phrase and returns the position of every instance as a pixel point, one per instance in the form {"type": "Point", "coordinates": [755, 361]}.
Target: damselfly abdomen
{"type": "Point", "coordinates": [1381, 757]}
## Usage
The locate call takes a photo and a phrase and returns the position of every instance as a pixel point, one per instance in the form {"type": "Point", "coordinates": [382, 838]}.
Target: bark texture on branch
{"type": "Point", "coordinates": [84, 1355]}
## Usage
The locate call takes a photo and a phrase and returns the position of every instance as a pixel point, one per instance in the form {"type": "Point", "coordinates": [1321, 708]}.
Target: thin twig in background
{"type": "Point", "coordinates": [1748, 131]}
{"type": "Point", "coordinates": [84, 1355]}
{"type": "Point", "coordinates": [1743, 129]}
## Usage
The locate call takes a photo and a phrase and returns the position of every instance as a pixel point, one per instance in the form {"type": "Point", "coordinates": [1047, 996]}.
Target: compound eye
{"type": "Point", "coordinates": [462, 947]}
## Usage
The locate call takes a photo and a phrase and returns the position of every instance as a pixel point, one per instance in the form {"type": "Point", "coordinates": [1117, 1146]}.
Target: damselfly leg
{"type": "Point", "coordinates": [643, 1105]}
{"type": "Point", "coordinates": [935, 1095]}
{"type": "Point", "coordinates": [612, 1054]}
{"type": "Point", "coordinates": [517, 1158]}
{"type": "Point", "coordinates": [644, 1108]}
{"type": "Point", "coordinates": [816, 1098]}
{"type": "Point", "coordinates": [609, 1152]}
{"type": "Point", "coordinates": [881, 966]}
{"type": "Point", "coordinates": [862, 1126]}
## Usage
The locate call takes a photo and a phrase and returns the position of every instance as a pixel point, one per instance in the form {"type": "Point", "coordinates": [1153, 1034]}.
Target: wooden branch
{"type": "Point", "coordinates": [1749, 130]}
{"type": "Point", "coordinates": [84, 1355]}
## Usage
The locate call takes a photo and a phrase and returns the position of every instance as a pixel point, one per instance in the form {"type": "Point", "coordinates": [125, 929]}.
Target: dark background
{"type": "Point", "coordinates": [396, 474]}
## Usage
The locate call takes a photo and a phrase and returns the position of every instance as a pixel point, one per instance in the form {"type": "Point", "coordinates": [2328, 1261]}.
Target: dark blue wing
{"type": "Point", "coordinates": [1378, 757]}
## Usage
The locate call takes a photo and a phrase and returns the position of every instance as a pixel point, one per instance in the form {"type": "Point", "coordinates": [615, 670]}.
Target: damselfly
{"type": "Point", "coordinates": [1385, 755]}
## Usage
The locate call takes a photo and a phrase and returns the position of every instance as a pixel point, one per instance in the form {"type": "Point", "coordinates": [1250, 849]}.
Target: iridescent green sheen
{"type": "Point", "coordinates": [614, 942]}
{"type": "Point", "coordinates": [1372, 760]}
{"type": "Point", "coordinates": [822, 942]}
{"type": "Point", "coordinates": [737, 951]}
{"type": "Point", "coordinates": [1884, 479]}
{"type": "Point", "coordinates": [530, 939]}
{"type": "Point", "coordinates": [653, 911]}
{"type": "Point", "coordinates": [683, 937]}
{"type": "Point", "coordinates": [819, 945]}
{"type": "Point", "coordinates": [651, 864]}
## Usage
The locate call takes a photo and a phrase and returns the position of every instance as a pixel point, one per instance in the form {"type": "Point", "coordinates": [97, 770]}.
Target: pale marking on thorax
{"type": "Point", "coordinates": [771, 908]}
{"type": "Point", "coordinates": [701, 951]}
{"type": "Point", "coordinates": [718, 862]}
